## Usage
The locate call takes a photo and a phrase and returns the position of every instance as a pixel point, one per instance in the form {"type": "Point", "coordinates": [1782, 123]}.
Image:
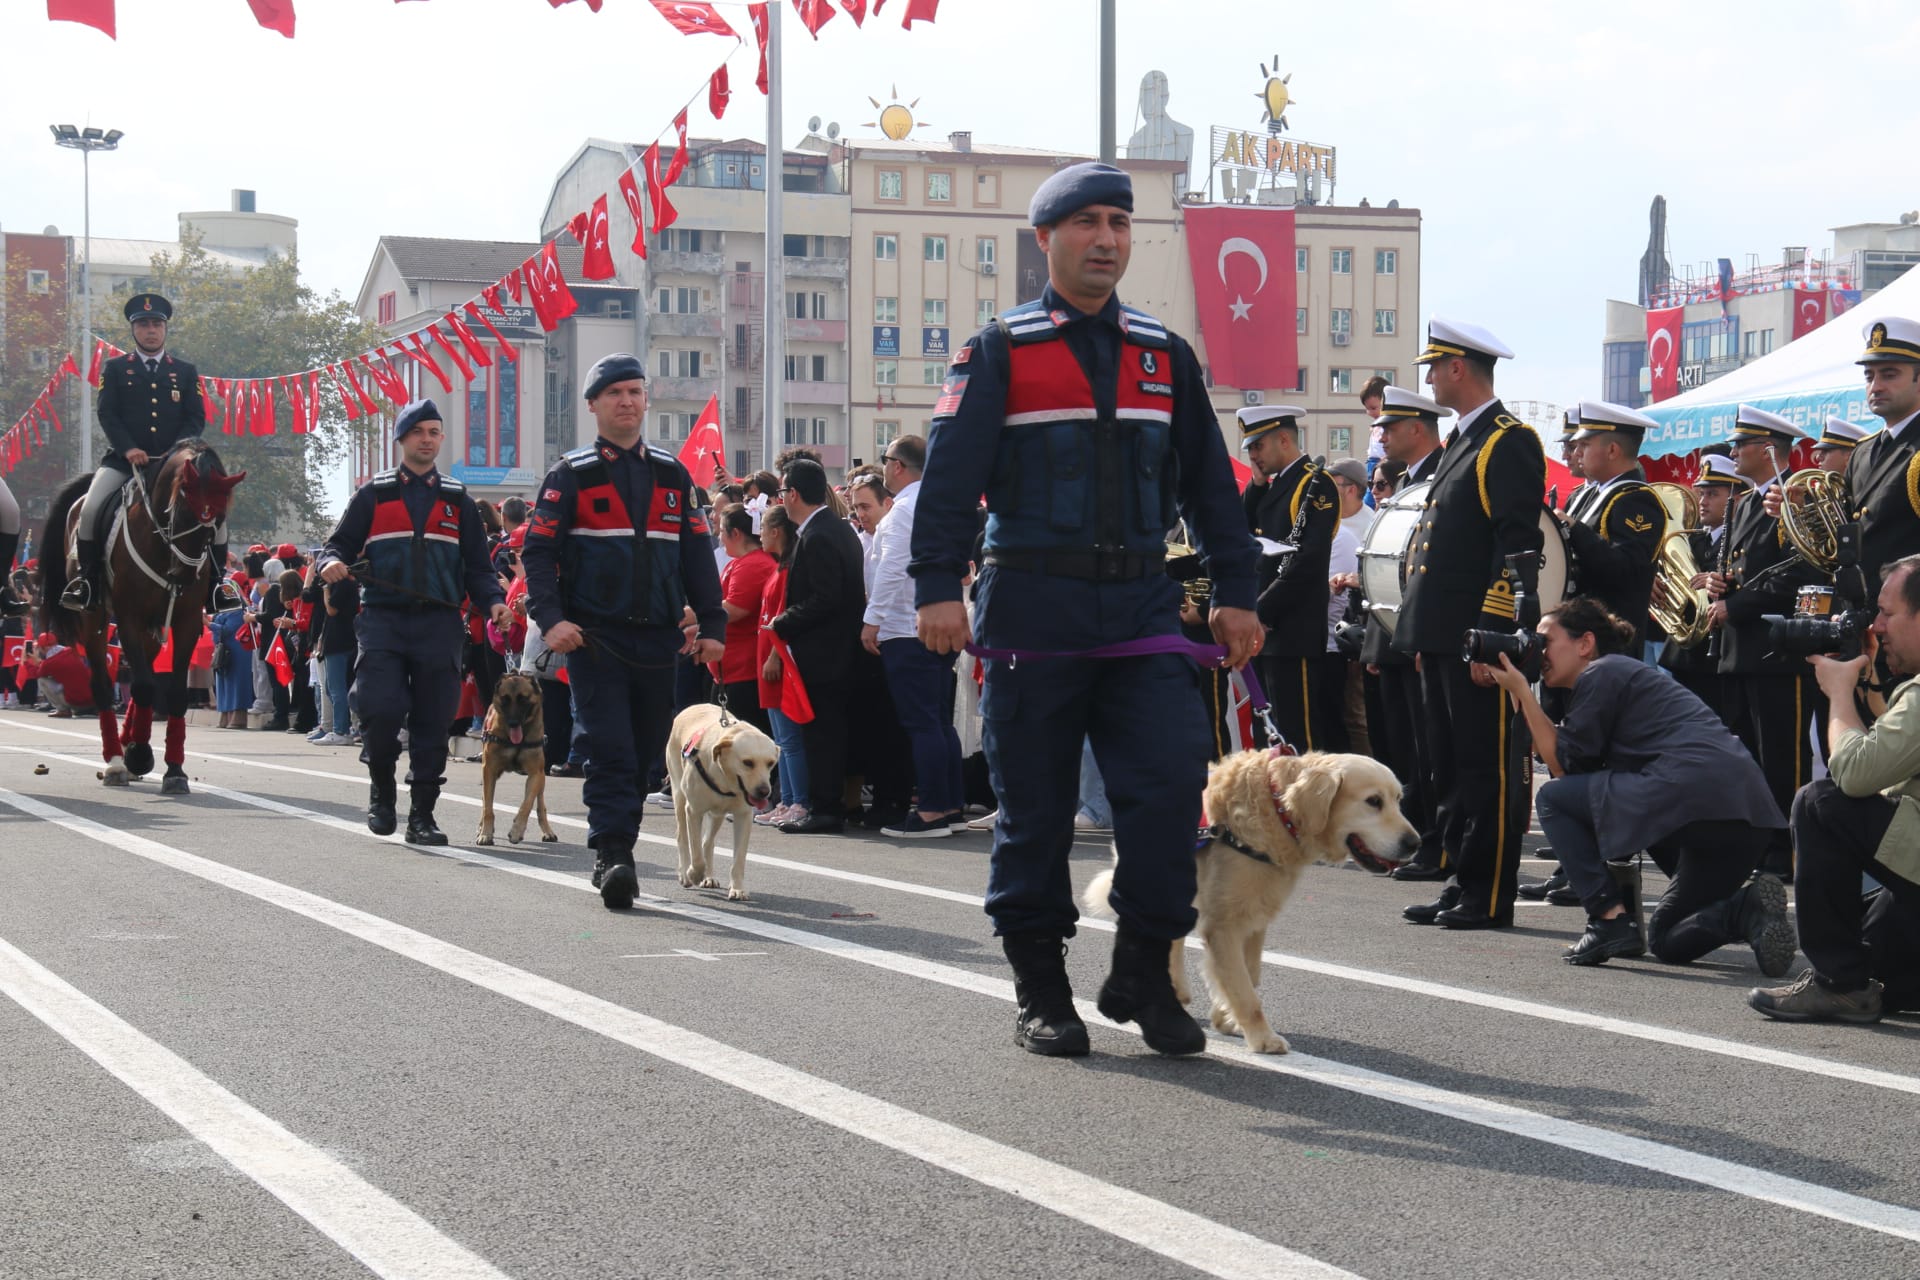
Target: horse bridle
{"type": "Point", "coordinates": [168, 535]}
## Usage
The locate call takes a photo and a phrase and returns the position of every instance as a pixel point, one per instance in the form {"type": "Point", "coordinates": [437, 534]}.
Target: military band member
{"type": "Point", "coordinates": [1883, 476]}
{"type": "Point", "coordinates": [1570, 459]}
{"type": "Point", "coordinates": [149, 401]}
{"type": "Point", "coordinates": [1767, 696]}
{"type": "Point", "coordinates": [1615, 534]}
{"type": "Point", "coordinates": [1293, 502]}
{"type": "Point", "coordinates": [1484, 506]}
{"type": "Point", "coordinates": [1833, 450]}
{"type": "Point", "coordinates": [1697, 667]}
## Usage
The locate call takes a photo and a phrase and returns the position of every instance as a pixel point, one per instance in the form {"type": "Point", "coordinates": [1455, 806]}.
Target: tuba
{"type": "Point", "coordinates": [1679, 609]}
{"type": "Point", "coordinates": [1814, 507]}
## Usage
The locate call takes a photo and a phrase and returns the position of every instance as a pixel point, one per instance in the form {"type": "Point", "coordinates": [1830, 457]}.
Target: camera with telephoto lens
{"type": "Point", "coordinates": [1523, 645]}
{"type": "Point", "coordinates": [1837, 637]}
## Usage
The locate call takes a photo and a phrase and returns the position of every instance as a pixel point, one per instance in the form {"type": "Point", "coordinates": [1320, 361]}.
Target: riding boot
{"type": "Point", "coordinates": [380, 816]}
{"type": "Point", "coordinates": [12, 603]}
{"type": "Point", "coordinates": [613, 873]}
{"type": "Point", "coordinates": [1046, 1021]}
{"type": "Point", "coordinates": [1140, 990]}
{"type": "Point", "coordinates": [421, 828]}
{"type": "Point", "coordinates": [84, 591]}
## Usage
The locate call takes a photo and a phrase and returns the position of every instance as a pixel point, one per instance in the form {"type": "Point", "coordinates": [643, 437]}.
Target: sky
{"type": "Point", "coordinates": [1531, 136]}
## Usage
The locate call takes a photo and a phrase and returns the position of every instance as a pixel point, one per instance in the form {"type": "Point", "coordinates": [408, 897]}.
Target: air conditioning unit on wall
{"type": "Point", "coordinates": [1253, 397]}
{"type": "Point", "coordinates": [1342, 339]}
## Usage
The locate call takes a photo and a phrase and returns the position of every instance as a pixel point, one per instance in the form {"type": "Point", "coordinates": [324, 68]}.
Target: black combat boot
{"type": "Point", "coordinates": [1140, 990]}
{"type": "Point", "coordinates": [380, 816]}
{"type": "Point", "coordinates": [1046, 1021]}
{"type": "Point", "coordinates": [421, 828]}
{"type": "Point", "coordinates": [613, 873]}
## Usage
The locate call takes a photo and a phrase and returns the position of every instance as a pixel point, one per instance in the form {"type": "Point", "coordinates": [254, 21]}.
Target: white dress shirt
{"type": "Point", "coordinates": [889, 589]}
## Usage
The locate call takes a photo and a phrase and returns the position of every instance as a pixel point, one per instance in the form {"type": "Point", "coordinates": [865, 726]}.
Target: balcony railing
{"type": "Point", "coordinates": [696, 264]}
{"type": "Point", "coordinates": [816, 330]}
{"type": "Point", "coordinates": [699, 324]}
{"type": "Point", "coordinates": [659, 389]}
{"type": "Point", "coordinates": [823, 393]}
{"type": "Point", "coordinates": [816, 268]}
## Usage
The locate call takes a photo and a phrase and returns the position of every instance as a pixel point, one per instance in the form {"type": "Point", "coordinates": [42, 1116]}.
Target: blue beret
{"type": "Point", "coordinates": [1077, 186]}
{"type": "Point", "coordinates": [413, 415]}
{"type": "Point", "coordinates": [618, 367]}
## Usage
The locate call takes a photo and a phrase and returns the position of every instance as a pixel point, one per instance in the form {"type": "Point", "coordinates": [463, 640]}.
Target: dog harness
{"type": "Point", "coordinates": [691, 753]}
{"type": "Point", "coordinates": [1224, 834]}
{"type": "Point", "coordinates": [536, 744]}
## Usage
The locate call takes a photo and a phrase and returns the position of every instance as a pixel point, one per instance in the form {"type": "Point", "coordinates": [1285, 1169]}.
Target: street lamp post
{"type": "Point", "coordinates": [86, 142]}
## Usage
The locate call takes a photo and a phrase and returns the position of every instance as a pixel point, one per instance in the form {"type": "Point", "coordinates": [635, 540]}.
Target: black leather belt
{"type": "Point", "coordinates": [1091, 566]}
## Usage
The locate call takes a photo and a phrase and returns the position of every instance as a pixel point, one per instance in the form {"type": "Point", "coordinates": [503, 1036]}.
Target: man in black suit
{"type": "Point", "coordinates": [149, 401]}
{"type": "Point", "coordinates": [1883, 475]}
{"type": "Point", "coordinates": [1484, 507]}
{"type": "Point", "coordinates": [826, 599]}
{"type": "Point", "coordinates": [1294, 502]}
{"type": "Point", "coordinates": [1615, 534]}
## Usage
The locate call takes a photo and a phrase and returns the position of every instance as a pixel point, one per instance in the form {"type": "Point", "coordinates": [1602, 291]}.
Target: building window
{"type": "Point", "coordinates": [884, 434]}
{"type": "Point", "coordinates": [806, 368]}
{"type": "Point", "coordinates": [1383, 323]}
{"type": "Point", "coordinates": [886, 373]}
{"type": "Point", "coordinates": [939, 187]}
{"type": "Point", "coordinates": [1341, 261]}
{"type": "Point", "coordinates": [793, 246]}
{"type": "Point", "coordinates": [1300, 380]}
{"type": "Point", "coordinates": [934, 248]}
{"type": "Point", "coordinates": [1621, 378]}
{"type": "Point", "coordinates": [886, 311]}
{"type": "Point", "coordinates": [1386, 262]}
{"type": "Point", "coordinates": [1392, 376]}
{"type": "Point", "coordinates": [389, 301]}
{"type": "Point", "coordinates": [37, 358]}
{"type": "Point", "coordinates": [986, 251]}
{"type": "Point", "coordinates": [680, 301]}
{"type": "Point", "coordinates": [1341, 326]}
{"type": "Point", "coordinates": [807, 306]}
{"type": "Point", "coordinates": [986, 190]}
{"type": "Point", "coordinates": [1340, 440]}
{"type": "Point", "coordinates": [1300, 320]}
{"type": "Point", "coordinates": [984, 311]}
{"type": "Point", "coordinates": [886, 247]}
{"type": "Point", "coordinates": [932, 373]}
{"type": "Point", "coordinates": [1756, 342]}
{"type": "Point", "coordinates": [1708, 340]}
{"type": "Point", "coordinates": [1300, 261]}
{"type": "Point", "coordinates": [892, 186]}
{"type": "Point", "coordinates": [933, 311]}
{"type": "Point", "coordinates": [1340, 382]}
{"type": "Point", "coordinates": [617, 307]}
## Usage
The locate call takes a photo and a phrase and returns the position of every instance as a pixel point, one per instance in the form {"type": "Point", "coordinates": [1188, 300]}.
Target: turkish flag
{"type": "Point", "coordinates": [814, 14]}
{"type": "Point", "coordinates": [630, 192]}
{"type": "Point", "coordinates": [94, 13]}
{"type": "Point", "coordinates": [1663, 351]}
{"type": "Point", "coordinates": [274, 15]}
{"type": "Point", "coordinates": [719, 93]}
{"type": "Point", "coordinates": [663, 211]}
{"type": "Point", "coordinates": [693, 17]}
{"type": "Point", "coordinates": [277, 658]}
{"type": "Point", "coordinates": [678, 164]}
{"type": "Point", "coordinates": [1243, 282]}
{"type": "Point", "coordinates": [856, 9]}
{"type": "Point", "coordinates": [758, 13]}
{"type": "Point", "coordinates": [15, 649]}
{"type": "Point", "coordinates": [1242, 473]}
{"type": "Point", "coordinates": [163, 660]}
{"type": "Point", "coordinates": [597, 262]}
{"type": "Point", "coordinates": [1809, 311]}
{"type": "Point", "coordinates": [479, 318]}
{"type": "Point", "coordinates": [547, 288]}
{"type": "Point", "coordinates": [472, 345]}
{"type": "Point", "coordinates": [705, 448]}
{"type": "Point", "coordinates": [921, 11]}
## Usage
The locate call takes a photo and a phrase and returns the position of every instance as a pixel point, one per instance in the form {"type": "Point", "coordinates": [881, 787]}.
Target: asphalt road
{"type": "Point", "coordinates": [243, 1037]}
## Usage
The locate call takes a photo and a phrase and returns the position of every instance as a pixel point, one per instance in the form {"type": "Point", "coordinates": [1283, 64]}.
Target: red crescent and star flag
{"type": "Point", "coordinates": [705, 448]}
{"type": "Point", "coordinates": [1809, 311]}
{"type": "Point", "coordinates": [1245, 288]}
{"type": "Point", "coordinates": [1663, 352]}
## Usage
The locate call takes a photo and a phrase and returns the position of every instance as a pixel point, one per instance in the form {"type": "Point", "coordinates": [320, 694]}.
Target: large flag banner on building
{"type": "Point", "coordinates": [1243, 283]}
{"type": "Point", "coordinates": [705, 448]}
{"type": "Point", "coordinates": [1809, 311]}
{"type": "Point", "coordinates": [1663, 352]}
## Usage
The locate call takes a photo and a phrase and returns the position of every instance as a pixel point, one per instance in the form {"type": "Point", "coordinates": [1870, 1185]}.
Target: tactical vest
{"type": "Point", "coordinates": [614, 567]}
{"type": "Point", "coordinates": [1064, 478]}
{"type": "Point", "coordinates": [426, 562]}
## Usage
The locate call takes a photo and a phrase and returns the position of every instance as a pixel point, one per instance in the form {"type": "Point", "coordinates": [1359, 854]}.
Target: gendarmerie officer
{"type": "Point", "coordinates": [1409, 427]}
{"type": "Point", "coordinates": [1483, 508]}
{"type": "Point", "coordinates": [616, 553]}
{"type": "Point", "coordinates": [1768, 696]}
{"type": "Point", "coordinates": [1292, 501]}
{"type": "Point", "coordinates": [1718, 488]}
{"type": "Point", "coordinates": [425, 549]}
{"type": "Point", "coordinates": [1088, 428]}
{"type": "Point", "coordinates": [1615, 534]}
{"type": "Point", "coordinates": [149, 401]}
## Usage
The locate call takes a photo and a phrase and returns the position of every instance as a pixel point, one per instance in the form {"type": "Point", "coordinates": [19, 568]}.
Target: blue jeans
{"type": "Point", "coordinates": [1565, 806]}
{"type": "Point", "coordinates": [335, 667]}
{"type": "Point", "coordinates": [1093, 788]}
{"type": "Point", "coordinates": [922, 685]}
{"type": "Point", "coordinates": [793, 758]}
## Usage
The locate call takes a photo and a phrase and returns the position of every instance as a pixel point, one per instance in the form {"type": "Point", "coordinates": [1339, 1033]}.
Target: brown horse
{"type": "Point", "coordinates": [156, 548]}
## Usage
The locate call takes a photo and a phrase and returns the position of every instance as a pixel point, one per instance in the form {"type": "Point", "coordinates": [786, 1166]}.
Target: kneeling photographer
{"type": "Point", "coordinates": [1864, 817]}
{"type": "Point", "coordinates": [1638, 762]}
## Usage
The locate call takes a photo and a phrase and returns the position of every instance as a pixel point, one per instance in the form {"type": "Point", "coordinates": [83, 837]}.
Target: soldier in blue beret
{"type": "Point", "coordinates": [425, 550]}
{"type": "Point", "coordinates": [616, 555]}
{"type": "Point", "coordinates": [1088, 428]}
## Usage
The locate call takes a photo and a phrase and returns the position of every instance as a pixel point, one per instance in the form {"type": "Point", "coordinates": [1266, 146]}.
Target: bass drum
{"type": "Point", "coordinates": [1383, 556]}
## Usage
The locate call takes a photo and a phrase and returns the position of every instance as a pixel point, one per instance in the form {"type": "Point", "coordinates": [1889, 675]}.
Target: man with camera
{"type": "Point", "coordinates": [1863, 818]}
{"type": "Point", "coordinates": [1469, 564]}
{"type": "Point", "coordinates": [1767, 700]}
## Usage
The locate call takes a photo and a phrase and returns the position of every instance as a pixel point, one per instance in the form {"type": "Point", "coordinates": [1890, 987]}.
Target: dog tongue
{"type": "Point", "coordinates": [761, 806]}
{"type": "Point", "coordinates": [516, 735]}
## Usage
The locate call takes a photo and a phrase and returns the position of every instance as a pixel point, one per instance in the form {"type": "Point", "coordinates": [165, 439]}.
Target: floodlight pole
{"type": "Point", "coordinates": [774, 362]}
{"type": "Point", "coordinates": [1109, 147]}
{"type": "Point", "coordinates": [86, 142]}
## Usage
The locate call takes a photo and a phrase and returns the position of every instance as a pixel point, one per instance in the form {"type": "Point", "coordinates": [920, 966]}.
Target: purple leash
{"type": "Point", "coordinates": [1206, 655]}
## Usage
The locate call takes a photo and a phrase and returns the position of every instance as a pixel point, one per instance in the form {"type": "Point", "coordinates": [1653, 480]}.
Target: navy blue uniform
{"type": "Point", "coordinates": [616, 546]}
{"type": "Point", "coordinates": [422, 533]}
{"type": "Point", "coordinates": [1090, 435]}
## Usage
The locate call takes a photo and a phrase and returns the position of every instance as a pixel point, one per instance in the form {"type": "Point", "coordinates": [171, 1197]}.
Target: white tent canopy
{"type": "Point", "coordinates": [1804, 381]}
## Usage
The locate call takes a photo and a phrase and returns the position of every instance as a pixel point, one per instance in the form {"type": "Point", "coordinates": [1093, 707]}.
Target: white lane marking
{"type": "Point", "coordinates": [1174, 1233]}
{"type": "Point", "coordinates": [1805, 1063]}
{"type": "Point", "coordinates": [1757, 1184]}
{"type": "Point", "coordinates": [390, 1239]}
{"type": "Point", "coordinates": [682, 953]}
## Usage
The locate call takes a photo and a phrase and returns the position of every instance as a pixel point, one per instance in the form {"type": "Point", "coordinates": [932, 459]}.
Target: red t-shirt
{"type": "Point", "coordinates": [68, 669]}
{"type": "Point", "coordinates": [773, 599]}
{"type": "Point", "coordinates": [743, 584]}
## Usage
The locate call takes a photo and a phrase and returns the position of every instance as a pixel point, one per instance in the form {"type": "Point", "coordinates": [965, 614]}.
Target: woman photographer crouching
{"type": "Point", "coordinates": [1638, 762]}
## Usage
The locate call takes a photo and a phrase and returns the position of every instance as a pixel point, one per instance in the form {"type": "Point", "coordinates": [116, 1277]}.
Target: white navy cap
{"type": "Point", "coordinates": [1398, 404]}
{"type": "Point", "coordinates": [1755, 423]}
{"type": "Point", "coordinates": [1839, 434]}
{"type": "Point", "coordinates": [1447, 338]}
{"type": "Point", "coordinates": [1717, 468]}
{"type": "Point", "coordinates": [1598, 416]}
{"type": "Point", "coordinates": [1571, 426]}
{"type": "Point", "coordinates": [1891, 338]}
{"type": "Point", "coordinates": [1258, 419]}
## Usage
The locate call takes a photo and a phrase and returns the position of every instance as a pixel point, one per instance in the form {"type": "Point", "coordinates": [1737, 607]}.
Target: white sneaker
{"type": "Point", "coordinates": [660, 799]}
{"type": "Point", "coordinates": [333, 740]}
{"type": "Point", "coordinates": [984, 822]}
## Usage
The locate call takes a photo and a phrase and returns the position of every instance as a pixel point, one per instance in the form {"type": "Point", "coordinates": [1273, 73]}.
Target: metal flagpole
{"type": "Point", "coordinates": [774, 362]}
{"type": "Point", "coordinates": [86, 306]}
{"type": "Point", "coordinates": [1109, 149]}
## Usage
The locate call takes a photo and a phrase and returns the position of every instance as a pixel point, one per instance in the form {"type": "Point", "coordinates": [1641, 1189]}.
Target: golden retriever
{"type": "Point", "coordinates": [1339, 806]}
{"type": "Point", "coordinates": [515, 742]}
{"type": "Point", "coordinates": [716, 770]}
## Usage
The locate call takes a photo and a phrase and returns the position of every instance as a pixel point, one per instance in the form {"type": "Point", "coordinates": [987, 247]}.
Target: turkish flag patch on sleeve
{"type": "Point", "coordinates": [951, 393]}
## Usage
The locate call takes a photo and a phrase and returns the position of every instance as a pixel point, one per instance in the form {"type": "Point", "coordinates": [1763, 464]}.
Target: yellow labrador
{"type": "Point", "coordinates": [1272, 816]}
{"type": "Point", "coordinates": [716, 770]}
